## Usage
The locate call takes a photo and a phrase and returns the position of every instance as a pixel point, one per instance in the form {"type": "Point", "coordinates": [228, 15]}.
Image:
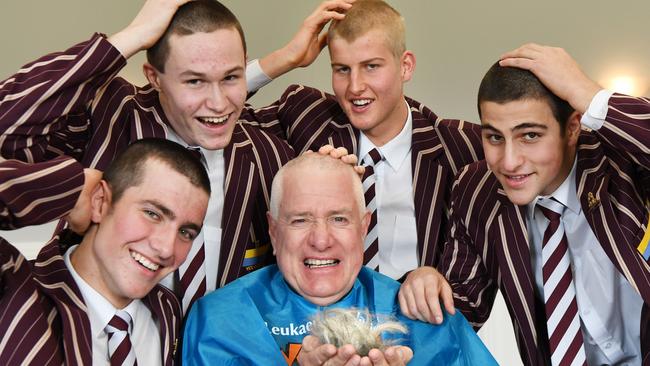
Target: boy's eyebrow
{"type": "Point", "coordinates": [521, 126]}
{"type": "Point", "coordinates": [525, 125]}
{"type": "Point", "coordinates": [193, 73]}
{"type": "Point", "coordinates": [368, 61]}
{"type": "Point", "coordinates": [171, 215]}
{"type": "Point", "coordinates": [162, 208]}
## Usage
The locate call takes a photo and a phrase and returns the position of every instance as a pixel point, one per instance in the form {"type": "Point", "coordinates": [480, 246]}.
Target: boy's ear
{"type": "Point", "coordinates": [573, 128]}
{"type": "Point", "coordinates": [407, 62]}
{"type": "Point", "coordinates": [151, 74]}
{"type": "Point", "coordinates": [100, 202]}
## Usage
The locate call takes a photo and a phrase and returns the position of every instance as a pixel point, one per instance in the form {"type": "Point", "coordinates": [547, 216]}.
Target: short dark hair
{"type": "Point", "coordinates": [507, 84]}
{"type": "Point", "coordinates": [127, 169]}
{"type": "Point", "coordinates": [193, 17]}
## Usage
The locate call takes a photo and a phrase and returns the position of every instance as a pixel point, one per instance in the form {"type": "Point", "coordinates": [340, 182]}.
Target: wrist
{"type": "Point", "coordinates": [125, 42]}
{"type": "Point", "coordinates": [584, 95]}
{"type": "Point", "coordinates": [278, 63]}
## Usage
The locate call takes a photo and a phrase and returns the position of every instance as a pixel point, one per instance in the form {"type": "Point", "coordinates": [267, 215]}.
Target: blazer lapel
{"type": "Point", "coordinates": [166, 310]}
{"type": "Point", "coordinates": [601, 189]}
{"type": "Point", "coordinates": [510, 236]}
{"type": "Point", "coordinates": [340, 133]}
{"type": "Point", "coordinates": [429, 180]}
{"type": "Point", "coordinates": [240, 185]}
{"type": "Point", "coordinates": [57, 283]}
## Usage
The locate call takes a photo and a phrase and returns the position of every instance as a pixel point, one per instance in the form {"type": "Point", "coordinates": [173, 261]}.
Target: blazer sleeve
{"type": "Point", "coordinates": [463, 267]}
{"type": "Point", "coordinates": [294, 116]}
{"type": "Point", "coordinates": [33, 194]}
{"type": "Point", "coordinates": [27, 330]}
{"type": "Point", "coordinates": [43, 105]}
{"type": "Point", "coordinates": [627, 127]}
{"type": "Point", "coordinates": [272, 118]}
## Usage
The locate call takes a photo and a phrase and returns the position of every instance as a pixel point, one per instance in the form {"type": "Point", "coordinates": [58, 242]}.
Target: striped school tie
{"type": "Point", "coordinates": [120, 351]}
{"type": "Point", "coordinates": [563, 321]}
{"type": "Point", "coordinates": [371, 245]}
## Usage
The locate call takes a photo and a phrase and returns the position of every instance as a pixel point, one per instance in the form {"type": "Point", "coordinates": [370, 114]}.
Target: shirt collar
{"type": "Point", "coordinates": [566, 193]}
{"type": "Point", "coordinates": [210, 156]}
{"type": "Point", "coordinates": [394, 151]}
{"type": "Point", "coordinates": [100, 310]}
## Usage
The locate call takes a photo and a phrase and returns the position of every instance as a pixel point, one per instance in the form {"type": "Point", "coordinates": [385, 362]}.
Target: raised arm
{"type": "Point", "coordinates": [557, 70]}
{"type": "Point", "coordinates": [33, 194]}
{"type": "Point", "coordinates": [147, 27]}
{"type": "Point", "coordinates": [306, 44]}
{"type": "Point", "coordinates": [42, 105]}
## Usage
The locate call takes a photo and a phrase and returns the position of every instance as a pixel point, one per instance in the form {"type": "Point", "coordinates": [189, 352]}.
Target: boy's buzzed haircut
{"type": "Point", "coordinates": [366, 15]}
{"type": "Point", "coordinates": [127, 170]}
{"type": "Point", "coordinates": [507, 84]}
{"type": "Point", "coordinates": [193, 17]}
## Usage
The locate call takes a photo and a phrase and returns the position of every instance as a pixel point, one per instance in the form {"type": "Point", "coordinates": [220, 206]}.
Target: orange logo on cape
{"type": "Point", "coordinates": [291, 353]}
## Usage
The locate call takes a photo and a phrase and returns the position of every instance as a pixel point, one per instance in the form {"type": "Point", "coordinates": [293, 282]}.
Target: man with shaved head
{"type": "Point", "coordinates": [317, 224]}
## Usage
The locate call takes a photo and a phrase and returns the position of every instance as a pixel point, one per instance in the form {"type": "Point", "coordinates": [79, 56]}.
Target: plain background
{"type": "Point", "coordinates": [455, 42]}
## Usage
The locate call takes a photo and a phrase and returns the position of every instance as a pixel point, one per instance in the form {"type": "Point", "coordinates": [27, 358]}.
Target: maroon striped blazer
{"type": "Point", "coordinates": [309, 118]}
{"type": "Point", "coordinates": [70, 103]}
{"type": "Point", "coordinates": [32, 194]}
{"type": "Point", "coordinates": [43, 319]}
{"type": "Point", "coordinates": [488, 243]}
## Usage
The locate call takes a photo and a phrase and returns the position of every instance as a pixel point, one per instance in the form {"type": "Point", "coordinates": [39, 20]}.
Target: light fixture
{"type": "Point", "coordinates": [626, 84]}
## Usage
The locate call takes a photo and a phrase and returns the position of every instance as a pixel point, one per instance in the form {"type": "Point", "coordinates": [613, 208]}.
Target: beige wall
{"type": "Point", "coordinates": [454, 42]}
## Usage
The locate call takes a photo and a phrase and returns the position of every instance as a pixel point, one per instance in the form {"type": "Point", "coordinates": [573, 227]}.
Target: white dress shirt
{"type": "Point", "coordinates": [145, 333]}
{"type": "Point", "coordinates": [395, 205]}
{"type": "Point", "coordinates": [609, 308]}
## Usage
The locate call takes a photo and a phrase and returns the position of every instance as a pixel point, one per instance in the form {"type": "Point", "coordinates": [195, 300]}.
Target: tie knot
{"type": "Point", "coordinates": [551, 208]}
{"type": "Point", "coordinates": [196, 152]}
{"type": "Point", "coordinates": [119, 323]}
{"type": "Point", "coordinates": [373, 157]}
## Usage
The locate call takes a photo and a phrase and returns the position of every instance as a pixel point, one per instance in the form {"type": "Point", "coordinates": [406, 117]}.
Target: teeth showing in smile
{"type": "Point", "coordinates": [518, 177]}
{"type": "Point", "coordinates": [214, 120]}
{"type": "Point", "coordinates": [361, 102]}
{"type": "Point", "coordinates": [320, 263]}
{"type": "Point", "coordinates": [144, 262]}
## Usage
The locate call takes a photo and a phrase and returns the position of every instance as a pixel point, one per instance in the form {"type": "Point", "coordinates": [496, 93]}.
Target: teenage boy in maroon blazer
{"type": "Point", "coordinates": [145, 214]}
{"type": "Point", "coordinates": [71, 103]}
{"type": "Point", "coordinates": [421, 151]}
{"type": "Point", "coordinates": [576, 283]}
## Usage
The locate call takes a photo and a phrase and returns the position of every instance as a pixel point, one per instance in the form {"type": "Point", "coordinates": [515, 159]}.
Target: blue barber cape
{"type": "Point", "coordinates": [259, 320]}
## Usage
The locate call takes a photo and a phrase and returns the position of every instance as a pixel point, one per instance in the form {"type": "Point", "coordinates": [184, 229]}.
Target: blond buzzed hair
{"type": "Point", "coordinates": [366, 15]}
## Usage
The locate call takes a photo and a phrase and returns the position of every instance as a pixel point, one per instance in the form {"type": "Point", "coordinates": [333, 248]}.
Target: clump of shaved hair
{"type": "Point", "coordinates": [357, 327]}
{"type": "Point", "coordinates": [367, 15]}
